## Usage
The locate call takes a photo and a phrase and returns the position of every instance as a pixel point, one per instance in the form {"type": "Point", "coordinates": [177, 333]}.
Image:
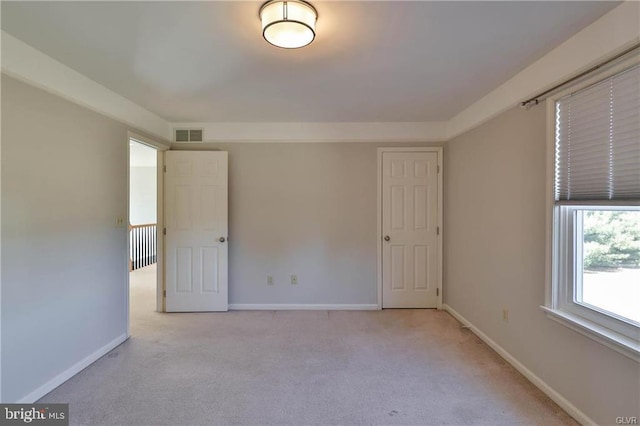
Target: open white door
{"type": "Point", "coordinates": [196, 225]}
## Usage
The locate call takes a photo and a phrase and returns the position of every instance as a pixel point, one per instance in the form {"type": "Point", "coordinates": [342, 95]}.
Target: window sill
{"type": "Point", "coordinates": [616, 341]}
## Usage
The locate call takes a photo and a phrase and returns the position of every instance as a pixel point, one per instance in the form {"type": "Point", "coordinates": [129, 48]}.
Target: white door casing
{"type": "Point", "coordinates": [196, 216]}
{"type": "Point", "coordinates": [160, 148]}
{"type": "Point", "coordinates": [410, 229]}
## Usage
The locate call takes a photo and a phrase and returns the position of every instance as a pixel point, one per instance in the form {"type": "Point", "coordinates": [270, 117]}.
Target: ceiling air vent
{"type": "Point", "coordinates": [195, 135]}
{"type": "Point", "coordinates": [188, 135]}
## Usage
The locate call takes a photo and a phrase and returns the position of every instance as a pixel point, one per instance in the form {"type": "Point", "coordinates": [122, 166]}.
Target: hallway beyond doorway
{"type": "Point", "coordinates": [142, 299]}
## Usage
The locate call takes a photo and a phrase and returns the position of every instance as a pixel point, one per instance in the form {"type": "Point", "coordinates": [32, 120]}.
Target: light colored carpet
{"type": "Point", "coordinates": [410, 367]}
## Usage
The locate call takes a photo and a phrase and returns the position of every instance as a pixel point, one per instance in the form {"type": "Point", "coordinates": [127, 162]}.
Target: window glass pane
{"type": "Point", "coordinates": [610, 262]}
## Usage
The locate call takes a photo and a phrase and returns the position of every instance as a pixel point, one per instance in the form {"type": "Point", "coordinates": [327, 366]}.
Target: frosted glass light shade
{"type": "Point", "coordinates": [288, 24]}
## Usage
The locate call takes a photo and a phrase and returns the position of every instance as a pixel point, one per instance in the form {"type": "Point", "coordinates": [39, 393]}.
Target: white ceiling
{"type": "Point", "coordinates": [372, 61]}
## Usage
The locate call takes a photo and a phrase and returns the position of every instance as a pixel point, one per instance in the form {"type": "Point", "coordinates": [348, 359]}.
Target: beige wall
{"type": "Point", "coordinates": [64, 182]}
{"type": "Point", "coordinates": [494, 257]}
{"type": "Point", "coordinates": [301, 208]}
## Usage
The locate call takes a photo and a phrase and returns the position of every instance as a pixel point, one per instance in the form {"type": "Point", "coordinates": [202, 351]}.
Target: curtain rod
{"type": "Point", "coordinates": [539, 97]}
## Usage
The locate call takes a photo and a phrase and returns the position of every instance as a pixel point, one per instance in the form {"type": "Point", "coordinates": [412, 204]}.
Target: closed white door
{"type": "Point", "coordinates": [410, 270]}
{"type": "Point", "coordinates": [196, 224]}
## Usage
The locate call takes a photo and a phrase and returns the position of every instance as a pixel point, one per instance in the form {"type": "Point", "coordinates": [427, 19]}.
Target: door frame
{"type": "Point", "coordinates": [160, 148]}
{"type": "Point", "coordinates": [381, 151]}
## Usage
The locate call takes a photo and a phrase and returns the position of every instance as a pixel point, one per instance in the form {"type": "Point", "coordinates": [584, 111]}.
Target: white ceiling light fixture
{"type": "Point", "coordinates": [288, 24]}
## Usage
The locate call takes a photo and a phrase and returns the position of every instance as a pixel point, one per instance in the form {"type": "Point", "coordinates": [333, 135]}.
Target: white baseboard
{"type": "Point", "coordinates": [300, 307]}
{"type": "Point", "coordinates": [70, 372]}
{"type": "Point", "coordinates": [571, 409]}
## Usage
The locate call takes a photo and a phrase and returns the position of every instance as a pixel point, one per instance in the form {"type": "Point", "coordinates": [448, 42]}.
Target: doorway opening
{"type": "Point", "coordinates": [143, 232]}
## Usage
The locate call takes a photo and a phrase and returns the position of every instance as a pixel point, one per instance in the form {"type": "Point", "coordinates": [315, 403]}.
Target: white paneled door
{"type": "Point", "coordinates": [410, 233]}
{"type": "Point", "coordinates": [196, 224]}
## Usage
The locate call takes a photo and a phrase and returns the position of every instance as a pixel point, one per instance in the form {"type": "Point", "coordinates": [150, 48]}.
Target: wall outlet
{"type": "Point", "coordinates": [269, 280]}
{"type": "Point", "coordinates": [505, 314]}
{"type": "Point", "coordinates": [119, 222]}
{"type": "Point", "coordinates": [294, 279]}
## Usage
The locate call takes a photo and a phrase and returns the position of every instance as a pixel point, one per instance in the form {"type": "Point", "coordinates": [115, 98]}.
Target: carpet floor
{"type": "Point", "coordinates": [391, 367]}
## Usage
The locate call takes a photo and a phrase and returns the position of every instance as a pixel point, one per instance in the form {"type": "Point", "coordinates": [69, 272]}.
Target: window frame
{"type": "Point", "coordinates": [570, 252]}
{"type": "Point", "coordinates": [561, 259]}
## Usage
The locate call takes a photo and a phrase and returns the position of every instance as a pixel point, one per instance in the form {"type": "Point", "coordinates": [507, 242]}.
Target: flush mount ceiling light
{"type": "Point", "coordinates": [288, 24]}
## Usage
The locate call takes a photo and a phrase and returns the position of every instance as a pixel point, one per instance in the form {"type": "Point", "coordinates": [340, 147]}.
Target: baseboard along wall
{"type": "Point", "coordinates": [71, 371]}
{"type": "Point", "coordinates": [567, 406]}
{"type": "Point", "coordinates": [301, 307]}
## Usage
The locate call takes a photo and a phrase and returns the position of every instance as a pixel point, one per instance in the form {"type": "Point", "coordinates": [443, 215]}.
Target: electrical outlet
{"type": "Point", "coordinates": [505, 314]}
{"type": "Point", "coordinates": [294, 279]}
{"type": "Point", "coordinates": [119, 222]}
{"type": "Point", "coordinates": [269, 280]}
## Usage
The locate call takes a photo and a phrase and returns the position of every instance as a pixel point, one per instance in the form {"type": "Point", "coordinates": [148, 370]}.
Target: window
{"type": "Point", "coordinates": [607, 268]}
{"type": "Point", "coordinates": [596, 211]}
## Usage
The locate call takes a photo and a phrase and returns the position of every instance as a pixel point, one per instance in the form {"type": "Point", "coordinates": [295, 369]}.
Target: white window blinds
{"type": "Point", "coordinates": [598, 141]}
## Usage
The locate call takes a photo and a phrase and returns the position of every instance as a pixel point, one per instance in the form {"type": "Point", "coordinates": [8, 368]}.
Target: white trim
{"type": "Point", "coordinates": [391, 132]}
{"type": "Point", "coordinates": [613, 33]}
{"type": "Point", "coordinates": [300, 307]}
{"type": "Point", "coordinates": [160, 148]}
{"type": "Point", "coordinates": [71, 371]}
{"type": "Point", "coordinates": [567, 406]}
{"type": "Point", "coordinates": [21, 61]}
{"type": "Point", "coordinates": [160, 242]}
{"type": "Point", "coordinates": [379, 230]}
{"type": "Point", "coordinates": [566, 283]}
{"type": "Point", "coordinates": [439, 151]}
{"type": "Point", "coordinates": [551, 246]}
{"type": "Point", "coordinates": [127, 252]}
{"type": "Point", "coordinates": [619, 343]}
{"type": "Point", "coordinates": [440, 224]}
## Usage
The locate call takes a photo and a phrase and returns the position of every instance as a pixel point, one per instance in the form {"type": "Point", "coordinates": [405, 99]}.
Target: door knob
{"type": "Point", "coordinates": [222, 239]}
{"type": "Point", "coordinates": [387, 238]}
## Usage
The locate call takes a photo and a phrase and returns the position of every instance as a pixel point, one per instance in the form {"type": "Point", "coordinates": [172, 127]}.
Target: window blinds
{"type": "Point", "coordinates": [598, 141]}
